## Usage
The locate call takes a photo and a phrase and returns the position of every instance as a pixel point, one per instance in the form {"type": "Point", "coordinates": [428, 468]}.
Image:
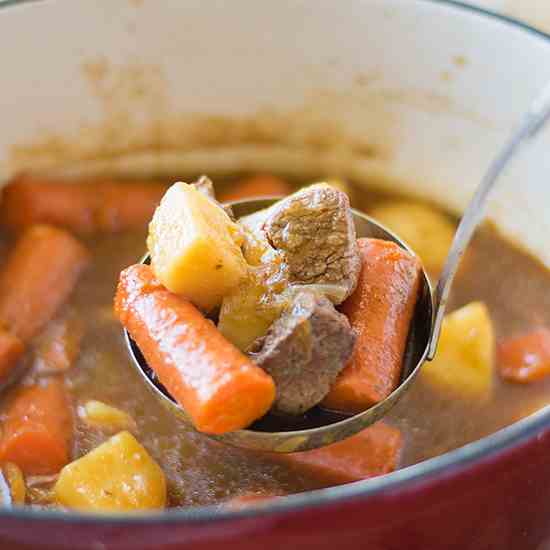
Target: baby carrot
{"type": "Point", "coordinates": [218, 386]}
{"type": "Point", "coordinates": [380, 310]}
{"type": "Point", "coordinates": [257, 186]}
{"type": "Point", "coordinates": [526, 358]}
{"type": "Point", "coordinates": [372, 452]}
{"type": "Point", "coordinates": [38, 428]}
{"type": "Point", "coordinates": [83, 206]}
{"type": "Point", "coordinates": [39, 275]}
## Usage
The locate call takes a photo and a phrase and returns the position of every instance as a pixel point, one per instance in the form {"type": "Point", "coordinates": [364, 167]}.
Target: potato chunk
{"type": "Point", "coordinates": [195, 247]}
{"type": "Point", "coordinates": [464, 361]}
{"type": "Point", "coordinates": [101, 415]}
{"type": "Point", "coordinates": [119, 475]}
{"type": "Point", "coordinates": [428, 232]}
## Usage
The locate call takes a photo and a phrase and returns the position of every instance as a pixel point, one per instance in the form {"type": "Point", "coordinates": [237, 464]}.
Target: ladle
{"type": "Point", "coordinates": [319, 427]}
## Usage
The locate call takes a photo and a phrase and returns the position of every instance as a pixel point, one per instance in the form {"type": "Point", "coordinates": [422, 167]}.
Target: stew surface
{"type": "Point", "coordinates": [431, 418]}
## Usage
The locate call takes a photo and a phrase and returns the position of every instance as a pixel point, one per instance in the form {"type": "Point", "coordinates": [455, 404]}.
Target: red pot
{"type": "Point", "coordinates": [231, 59]}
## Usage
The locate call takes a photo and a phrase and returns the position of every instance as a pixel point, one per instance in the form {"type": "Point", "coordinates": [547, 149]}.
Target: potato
{"type": "Point", "coordinates": [464, 362]}
{"type": "Point", "coordinates": [117, 476]}
{"type": "Point", "coordinates": [195, 247]}
{"type": "Point", "coordinates": [248, 313]}
{"type": "Point", "coordinates": [427, 231]}
{"type": "Point", "coordinates": [101, 415]}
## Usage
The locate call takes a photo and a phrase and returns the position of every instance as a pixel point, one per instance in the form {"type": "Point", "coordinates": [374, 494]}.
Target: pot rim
{"type": "Point", "coordinates": [447, 464]}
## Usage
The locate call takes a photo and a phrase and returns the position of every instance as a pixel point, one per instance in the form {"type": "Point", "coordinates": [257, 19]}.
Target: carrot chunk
{"type": "Point", "coordinates": [57, 348]}
{"type": "Point", "coordinates": [11, 350]}
{"type": "Point", "coordinates": [218, 386]}
{"type": "Point", "coordinates": [257, 186]}
{"type": "Point", "coordinates": [38, 277]}
{"type": "Point", "coordinates": [372, 452]}
{"type": "Point", "coordinates": [524, 359]}
{"type": "Point", "coordinates": [38, 428]}
{"type": "Point", "coordinates": [380, 310]}
{"type": "Point", "coordinates": [83, 206]}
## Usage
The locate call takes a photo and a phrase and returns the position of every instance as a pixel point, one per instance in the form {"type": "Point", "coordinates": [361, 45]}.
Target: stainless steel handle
{"type": "Point", "coordinates": [533, 121]}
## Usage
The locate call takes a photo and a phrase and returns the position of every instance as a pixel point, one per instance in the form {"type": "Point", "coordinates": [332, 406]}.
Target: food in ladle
{"type": "Point", "coordinates": [299, 257]}
{"type": "Point", "coordinates": [380, 311]}
{"type": "Point", "coordinates": [218, 386]}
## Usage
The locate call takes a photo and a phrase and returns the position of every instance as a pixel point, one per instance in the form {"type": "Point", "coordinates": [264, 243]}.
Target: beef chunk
{"type": "Point", "coordinates": [304, 350]}
{"type": "Point", "coordinates": [314, 230]}
{"type": "Point", "coordinates": [206, 187]}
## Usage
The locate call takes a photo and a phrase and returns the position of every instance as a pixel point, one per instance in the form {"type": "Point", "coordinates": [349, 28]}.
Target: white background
{"type": "Point", "coordinates": [535, 12]}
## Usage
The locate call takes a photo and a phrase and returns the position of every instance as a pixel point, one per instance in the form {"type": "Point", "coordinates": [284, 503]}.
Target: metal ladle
{"type": "Point", "coordinates": [318, 428]}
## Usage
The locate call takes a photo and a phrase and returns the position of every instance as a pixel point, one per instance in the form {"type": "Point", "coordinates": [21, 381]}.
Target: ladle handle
{"type": "Point", "coordinates": [533, 121]}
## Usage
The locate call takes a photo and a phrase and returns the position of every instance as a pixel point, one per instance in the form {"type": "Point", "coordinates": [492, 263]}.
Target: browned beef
{"type": "Point", "coordinates": [304, 351]}
{"type": "Point", "coordinates": [314, 230]}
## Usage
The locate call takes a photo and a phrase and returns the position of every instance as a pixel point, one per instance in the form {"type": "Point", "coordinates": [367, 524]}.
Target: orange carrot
{"type": "Point", "coordinates": [37, 429]}
{"type": "Point", "coordinates": [524, 359]}
{"type": "Point", "coordinates": [372, 452]}
{"type": "Point", "coordinates": [84, 206]}
{"type": "Point", "coordinates": [39, 275]}
{"type": "Point", "coordinates": [57, 347]}
{"type": "Point", "coordinates": [257, 186]}
{"type": "Point", "coordinates": [219, 387]}
{"type": "Point", "coordinates": [11, 350]}
{"type": "Point", "coordinates": [380, 311]}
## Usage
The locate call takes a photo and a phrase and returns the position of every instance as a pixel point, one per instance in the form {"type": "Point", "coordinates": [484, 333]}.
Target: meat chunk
{"type": "Point", "coordinates": [314, 229]}
{"type": "Point", "coordinates": [304, 351]}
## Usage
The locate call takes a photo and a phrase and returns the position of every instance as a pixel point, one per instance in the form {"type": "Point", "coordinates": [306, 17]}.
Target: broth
{"type": "Point", "coordinates": [201, 471]}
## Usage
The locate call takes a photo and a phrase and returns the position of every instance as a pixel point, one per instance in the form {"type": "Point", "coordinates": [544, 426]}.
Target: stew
{"type": "Point", "coordinates": [81, 431]}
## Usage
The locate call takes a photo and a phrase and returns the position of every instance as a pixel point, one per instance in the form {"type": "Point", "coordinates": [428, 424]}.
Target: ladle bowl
{"type": "Point", "coordinates": [318, 427]}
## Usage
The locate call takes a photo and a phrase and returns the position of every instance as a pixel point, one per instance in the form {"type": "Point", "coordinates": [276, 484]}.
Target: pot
{"type": "Point", "coordinates": [409, 94]}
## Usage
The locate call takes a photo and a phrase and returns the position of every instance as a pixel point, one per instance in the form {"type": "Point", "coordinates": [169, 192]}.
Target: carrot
{"type": "Point", "coordinates": [38, 428]}
{"type": "Point", "coordinates": [39, 275]}
{"type": "Point", "coordinates": [526, 358]}
{"type": "Point", "coordinates": [219, 387]}
{"type": "Point", "coordinates": [257, 186]}
{"type": "Point", "coordinates": [57, 347]}
{"type": "Point", "coordinates": [380, 311]}
{"type": "Point", "coordinates": [85, 207]}
{"type": "Point", "coordinates": [372, 452]}
{"type": "Point", "coordinates": [11, 350]}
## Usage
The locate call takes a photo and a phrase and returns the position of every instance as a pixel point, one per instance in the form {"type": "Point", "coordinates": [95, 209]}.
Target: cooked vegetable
{"type": "Point", "coordinates": [372, 452]}
{"type": "Point", "coordinates": [195, 247]}
{"type": "Point", "coordinates": [37, 430]}
{"type": "Point", "coordinates": [219, 387]}
{"type": "Point", "coordinates": [14, 477]}
{"type": "Point", "coordinates": [526, 358]}
{"type": "Point", "coordinates": [38, 277]}
{"type": "Point", "coordinates": [117, 476]}
{"type": "Point", "coordinates": [380, 311]}
{"type": "Point", "coordinates": [257, 186]}
{"type": "Point", "coordinates": [463, 365]}
{"type": "Point", "coordinates": [101, 415]}
{"type": "Point", "coordinates": [426, 230]}
{"type": "Point", "coordinates": [247, 314]}
{"type": "Point", "coordinates": [11, 350]}
{"type": "Point", "coordinates": [83, 207]}
{"type": "Point", "coordinates": [57, 348]}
